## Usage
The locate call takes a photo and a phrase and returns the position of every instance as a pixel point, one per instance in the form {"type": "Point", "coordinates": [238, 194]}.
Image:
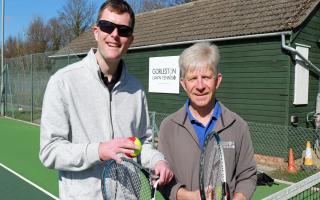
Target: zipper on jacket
{"type": "Point", "coordinates": [110, 109]}
{"type": "Point", "coordinates": [111, 122]}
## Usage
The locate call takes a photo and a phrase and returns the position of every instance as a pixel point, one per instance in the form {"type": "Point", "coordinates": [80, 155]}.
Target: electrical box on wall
{"type": "Point", "coordinates": [294, 120]}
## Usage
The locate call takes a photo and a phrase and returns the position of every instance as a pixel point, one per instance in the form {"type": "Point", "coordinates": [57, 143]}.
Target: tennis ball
{"type": "Point", "coordinates": [137, 142]}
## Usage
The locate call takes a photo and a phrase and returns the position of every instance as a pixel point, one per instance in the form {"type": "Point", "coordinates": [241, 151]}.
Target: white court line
{"type": "Point", "coordinates": [19, 120]}
{"type": "Point", "coordinates": [30, 182]}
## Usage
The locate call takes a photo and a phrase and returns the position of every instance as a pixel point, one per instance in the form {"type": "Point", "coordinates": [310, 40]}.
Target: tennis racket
{"type": "Point", "coordinates": [213, 184]}
{"type": "Point", "coordinates": [127, 181]}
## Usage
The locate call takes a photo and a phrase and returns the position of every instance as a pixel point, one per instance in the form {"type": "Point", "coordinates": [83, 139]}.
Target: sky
{"type": "Point", "coordinates": [19, 14]}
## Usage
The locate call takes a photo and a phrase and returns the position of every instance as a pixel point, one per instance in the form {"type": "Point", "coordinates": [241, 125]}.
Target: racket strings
{"type": "Point", "coordinates": [133, 183]}
{"type": "Point", "coordinates": [213, 171]}
{"type": "Point", "coordinates": [125, 181]}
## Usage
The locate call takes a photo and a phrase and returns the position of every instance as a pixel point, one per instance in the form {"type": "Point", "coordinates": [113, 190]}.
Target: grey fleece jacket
{"type": "Point", "coordinates": [78, 113]}
{"type": "Point", "coordinates": [178, 142]}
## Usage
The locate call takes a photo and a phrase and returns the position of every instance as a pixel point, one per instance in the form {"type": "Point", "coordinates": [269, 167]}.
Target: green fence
{"type": "Point", "coordinates": [267, 139]}
{"type": "Point", "coordinates": [271, 146]}
{"type": "Point", "coordinates": [25, 79]}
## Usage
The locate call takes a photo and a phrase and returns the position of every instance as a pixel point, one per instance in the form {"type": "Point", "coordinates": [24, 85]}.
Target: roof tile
{"type": "Point", "coordinates": [205, 19]}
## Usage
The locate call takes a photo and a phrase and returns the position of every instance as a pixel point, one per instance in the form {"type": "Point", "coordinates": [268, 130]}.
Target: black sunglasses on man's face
{"type": "Point", "coordinates": [108, 27]}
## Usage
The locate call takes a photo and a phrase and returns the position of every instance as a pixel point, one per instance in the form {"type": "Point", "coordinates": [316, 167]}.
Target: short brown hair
{"type": "Point", "coordinates": [119, 7]}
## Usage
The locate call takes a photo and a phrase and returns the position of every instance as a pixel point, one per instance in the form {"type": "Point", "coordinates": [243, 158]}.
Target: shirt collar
{"type": "Point", "coordinates": [115, 78]}
{"type": "Point", "coordinates": [214, 115]}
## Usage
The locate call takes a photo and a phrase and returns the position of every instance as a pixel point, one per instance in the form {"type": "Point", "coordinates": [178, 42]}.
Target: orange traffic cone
{"type": "Point", "coordinates": [308, 158]}
{"type": "Point", "coordinates": [291, 166]}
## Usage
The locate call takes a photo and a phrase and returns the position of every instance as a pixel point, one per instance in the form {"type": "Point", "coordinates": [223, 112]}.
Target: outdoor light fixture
{"type": "Point", "coordinates": [294, 120]}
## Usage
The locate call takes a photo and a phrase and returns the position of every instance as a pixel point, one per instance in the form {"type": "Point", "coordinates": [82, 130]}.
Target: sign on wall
{"type": "Point", "coordinates": [164, 74]}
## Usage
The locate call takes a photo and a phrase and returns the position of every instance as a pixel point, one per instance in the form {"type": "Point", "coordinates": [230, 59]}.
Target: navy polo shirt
{"type": "Point", "coordinates": [200, 129]}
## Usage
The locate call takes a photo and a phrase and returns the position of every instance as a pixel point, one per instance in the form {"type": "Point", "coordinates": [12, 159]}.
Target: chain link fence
{"type": "Point", "coordinates": [2, 90]}
{"type": "Point", "coordinates": [271, 146]}
{"type": "Point", "coordinates": [25, 79]}
{"type": "Point", "coordinates": [268, 139]}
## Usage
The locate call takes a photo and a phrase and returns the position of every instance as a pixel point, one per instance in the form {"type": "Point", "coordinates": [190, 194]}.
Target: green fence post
{"type": "Point", "coordinates": [32, 91]}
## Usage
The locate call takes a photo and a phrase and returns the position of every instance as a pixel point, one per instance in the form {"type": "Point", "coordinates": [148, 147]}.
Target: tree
{"type": "Point", "coordinates": [37, 36]}
{"type": "Point", "coordinates": [148, 5]}
{"type": "Point", "coordinates": [55, 34]}
{"type": "Point", "coordinates": [77, 16]}
{"type": "Point", "coordinates": [14, 47]}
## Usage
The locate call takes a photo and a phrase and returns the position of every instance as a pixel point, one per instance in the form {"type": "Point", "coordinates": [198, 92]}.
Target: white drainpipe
{"type": "Point", "coordinates": [294, 51]}
{"type": "Point", "coordinates": [309, 64]}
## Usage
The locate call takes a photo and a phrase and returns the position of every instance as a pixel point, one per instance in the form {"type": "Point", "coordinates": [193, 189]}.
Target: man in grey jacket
{"type": "Point", "coordinates": [91, 107]}
{"type": "Point", "coordinates": [182, 134]}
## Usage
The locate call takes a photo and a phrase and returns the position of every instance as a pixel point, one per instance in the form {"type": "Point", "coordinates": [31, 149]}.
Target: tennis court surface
{"type": "Point", "coordinates": [14, 187]}
{"type": "Point", "coordinates": [22, 176]}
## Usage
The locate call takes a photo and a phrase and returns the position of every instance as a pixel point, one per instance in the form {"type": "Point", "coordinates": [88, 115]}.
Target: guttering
{"type": "Point", "coordinates": [214, 40]}
{"type": "Point", "coordinates": [194, 41]}
{"type": "Point", "coordinates": [294, 51]}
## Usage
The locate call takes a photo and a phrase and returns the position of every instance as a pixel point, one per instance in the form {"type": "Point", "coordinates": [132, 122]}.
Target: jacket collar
{"type": "Point", "coordinates": [226, 119]}
{"type": "Point", "coordinates": [93, 67]}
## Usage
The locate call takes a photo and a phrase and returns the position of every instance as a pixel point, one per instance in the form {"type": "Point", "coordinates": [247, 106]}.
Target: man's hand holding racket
{"type": "Point", "coordinates": [195, 195]}
{"type": "Point", "coordinates": [123, 177]}
{"type": "Point", "coordinates": [164, 172]}
{"type": "Point", "coordinates": [110, 150]}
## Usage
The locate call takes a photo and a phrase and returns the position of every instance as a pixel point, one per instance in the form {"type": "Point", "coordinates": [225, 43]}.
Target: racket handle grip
{"type": "Point", "coordinates": [225, 191]}
{"type": "Point", "coordinates": [155, 185]}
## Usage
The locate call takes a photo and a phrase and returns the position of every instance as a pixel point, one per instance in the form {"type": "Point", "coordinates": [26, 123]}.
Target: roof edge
{"type": "Point", "coordinates": [307, 14]}
{"type": "Point", "coordinates": [193, 41]}
{"type": "Point", "coordinates": [214, 40]}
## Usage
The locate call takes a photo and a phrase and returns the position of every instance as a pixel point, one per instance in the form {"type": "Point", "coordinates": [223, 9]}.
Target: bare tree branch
{"type": "Point", "coordinates": [37, 36]}
{"type": "Point", "coordinates": [77, 16]}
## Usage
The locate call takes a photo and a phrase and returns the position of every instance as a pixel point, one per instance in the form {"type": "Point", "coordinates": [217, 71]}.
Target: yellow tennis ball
{"type": "Point", "coordinates": [137, 152]}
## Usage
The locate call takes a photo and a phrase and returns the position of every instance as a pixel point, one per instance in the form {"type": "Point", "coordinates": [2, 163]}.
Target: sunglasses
{"type": "Point", "coordinates": [108, 27]}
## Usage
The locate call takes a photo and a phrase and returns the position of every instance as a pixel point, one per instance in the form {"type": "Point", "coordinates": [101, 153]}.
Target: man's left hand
{"type": "Point", "coordinates": [239, 196]}
{"type": "Point", "coordinates": [163, 170]}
